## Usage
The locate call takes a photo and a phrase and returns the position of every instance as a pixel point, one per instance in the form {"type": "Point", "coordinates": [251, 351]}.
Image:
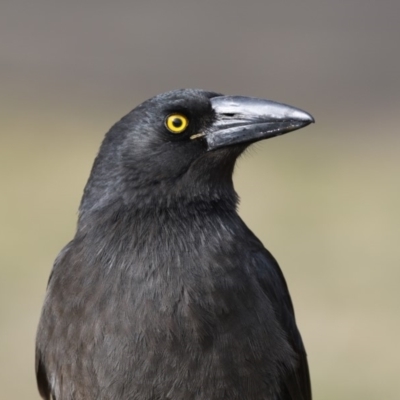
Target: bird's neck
{"type": "Point", "coordinates": [158, 209]}
{"type": "Point", "coordinates": [123, 236]}
{"type": "Point", "coordinates": [205, 184]}
{"type": "Point", "coordinates": [100, 202]}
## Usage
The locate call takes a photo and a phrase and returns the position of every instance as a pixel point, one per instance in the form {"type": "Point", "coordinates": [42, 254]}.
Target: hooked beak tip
{"type": "Point", "coordinates": [242, 120]}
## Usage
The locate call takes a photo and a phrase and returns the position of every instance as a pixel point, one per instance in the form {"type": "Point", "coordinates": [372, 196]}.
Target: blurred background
{"type": "Point", "coordinates": [324, 200]}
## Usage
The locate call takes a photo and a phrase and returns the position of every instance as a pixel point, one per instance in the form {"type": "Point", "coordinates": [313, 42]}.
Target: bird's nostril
{"type": "Point", "coordinates": [229, 114]}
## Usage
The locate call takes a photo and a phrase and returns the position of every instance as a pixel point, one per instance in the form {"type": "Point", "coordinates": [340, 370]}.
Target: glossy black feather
{"type": "Point", "coordinates": [164, 293]}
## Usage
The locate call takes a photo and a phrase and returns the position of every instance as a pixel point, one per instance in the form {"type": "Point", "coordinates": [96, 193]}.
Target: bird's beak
{"type": "Point", "coordinates": [246, 119]}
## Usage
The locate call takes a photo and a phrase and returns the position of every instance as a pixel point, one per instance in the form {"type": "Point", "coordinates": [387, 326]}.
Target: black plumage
{"type": "Point", "coordinates": [164, 293]}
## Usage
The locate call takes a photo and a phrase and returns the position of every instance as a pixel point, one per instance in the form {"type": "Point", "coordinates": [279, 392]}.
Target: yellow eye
{"type": "Point", "coordinates": [176, 123]}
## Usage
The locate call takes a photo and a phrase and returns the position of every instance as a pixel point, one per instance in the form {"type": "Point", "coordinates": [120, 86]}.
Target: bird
{"type": "Point", "coordinates": [164, 292]}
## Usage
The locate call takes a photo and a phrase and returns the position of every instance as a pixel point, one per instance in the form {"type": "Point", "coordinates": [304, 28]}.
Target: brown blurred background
{"type": "Point", "coordinates": [325, 200]}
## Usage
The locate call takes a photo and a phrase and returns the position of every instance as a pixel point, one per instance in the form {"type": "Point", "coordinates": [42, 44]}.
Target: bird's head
{"type": "Point", "coordinates": [183, 144]}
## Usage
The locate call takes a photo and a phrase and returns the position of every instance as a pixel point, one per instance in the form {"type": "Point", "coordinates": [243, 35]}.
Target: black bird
{"type": "Point", "coordinates": [164, 292]}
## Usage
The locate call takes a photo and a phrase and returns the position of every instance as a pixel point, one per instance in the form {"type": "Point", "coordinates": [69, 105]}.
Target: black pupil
{"type": "Point", "coordinates": [177, 122]}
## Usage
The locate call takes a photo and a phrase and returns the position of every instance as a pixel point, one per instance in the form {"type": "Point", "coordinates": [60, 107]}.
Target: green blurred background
{"type": "Point", "coordinates": [325, 200]}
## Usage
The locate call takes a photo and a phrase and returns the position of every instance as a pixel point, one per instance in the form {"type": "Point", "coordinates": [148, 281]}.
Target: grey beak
{"type": "Point", "coordinates": [246, 119]}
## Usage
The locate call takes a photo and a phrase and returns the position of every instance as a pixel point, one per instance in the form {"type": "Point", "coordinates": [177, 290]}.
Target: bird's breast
{"type": "Point", "coordinates": [175, 309]}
